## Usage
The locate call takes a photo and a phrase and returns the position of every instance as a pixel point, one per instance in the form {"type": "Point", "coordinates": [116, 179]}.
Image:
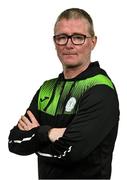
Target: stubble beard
{"type": "Point", "coordinates": [72, 66]}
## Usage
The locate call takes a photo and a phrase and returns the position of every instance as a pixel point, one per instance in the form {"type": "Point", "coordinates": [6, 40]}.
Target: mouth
{"type": "Point", "coordinates": [69, 54]}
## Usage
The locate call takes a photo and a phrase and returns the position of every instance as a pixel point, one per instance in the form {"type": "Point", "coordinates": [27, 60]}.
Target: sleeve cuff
{"type": "Point", "coordinates": [42, 133]}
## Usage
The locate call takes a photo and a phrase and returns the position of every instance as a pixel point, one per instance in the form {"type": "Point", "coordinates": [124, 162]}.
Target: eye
{"type": "Point", "coordinates": [61, 37]}
{"type": "Point", "coordinates": [78, 37]}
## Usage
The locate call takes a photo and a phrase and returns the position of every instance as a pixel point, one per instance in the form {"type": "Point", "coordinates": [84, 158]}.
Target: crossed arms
{"type": "Point", "coordinates": [25, 124]}
{"type": "Point", "coordinates": [97, 115]}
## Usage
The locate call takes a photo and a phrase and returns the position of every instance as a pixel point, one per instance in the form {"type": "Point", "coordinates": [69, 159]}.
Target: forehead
{"type": "Point", "coordinates": [72, 26]}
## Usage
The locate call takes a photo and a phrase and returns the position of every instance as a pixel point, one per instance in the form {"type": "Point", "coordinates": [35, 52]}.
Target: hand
{"type": "Point", "coordinates": [25, 124]}
{"type": "Point", "coordinates": [55, 133]}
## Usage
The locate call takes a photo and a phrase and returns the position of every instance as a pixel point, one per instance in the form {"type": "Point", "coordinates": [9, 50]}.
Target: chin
{"type": "Point", "coordinates": [71, 65]}
{"type": "Point", "coordinates": [69, 61]}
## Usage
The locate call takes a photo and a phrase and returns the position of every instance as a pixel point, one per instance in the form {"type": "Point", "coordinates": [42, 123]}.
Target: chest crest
{"type": "Point", "coordinates": [70, 104]}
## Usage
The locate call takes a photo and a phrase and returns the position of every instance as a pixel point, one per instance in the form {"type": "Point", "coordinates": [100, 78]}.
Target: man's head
{"type": "Point", "coordinates": [74, 37]}
{"type": "Point", "coordinates": [76, 13]}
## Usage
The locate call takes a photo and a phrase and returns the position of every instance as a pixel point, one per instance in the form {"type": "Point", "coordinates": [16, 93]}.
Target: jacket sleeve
{"type": "Point", "coordinates": [26, 142]}
{"type": "Point", "coordinates": [97, 114]}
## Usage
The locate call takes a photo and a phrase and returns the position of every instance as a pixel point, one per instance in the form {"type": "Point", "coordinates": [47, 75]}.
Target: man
{"type": "Point", "coordinates": [72, 121]}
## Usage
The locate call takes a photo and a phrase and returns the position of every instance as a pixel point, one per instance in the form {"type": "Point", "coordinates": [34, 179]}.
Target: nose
{"type": "Point", "coordinates": [69, 43]}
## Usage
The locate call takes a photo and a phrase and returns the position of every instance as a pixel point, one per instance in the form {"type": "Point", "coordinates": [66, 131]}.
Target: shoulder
{"type": "Point", "coordinates": [49, 83]}
{"type": "Point", "coordinates": [98, 79]}
{"type": "Point", "coordinates": [102, 96]}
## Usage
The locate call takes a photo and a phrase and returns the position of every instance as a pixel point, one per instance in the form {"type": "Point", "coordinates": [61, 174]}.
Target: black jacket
{"type": "Point", "coordinates": [87, 106]}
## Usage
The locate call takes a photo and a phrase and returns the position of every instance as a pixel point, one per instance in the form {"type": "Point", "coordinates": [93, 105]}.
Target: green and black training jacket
{"type": "Point", "coordinates": [88, 107]}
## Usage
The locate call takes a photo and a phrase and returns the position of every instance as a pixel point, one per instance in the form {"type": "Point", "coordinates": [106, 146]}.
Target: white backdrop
{"type": "Point", "coordinates": [28, 57]}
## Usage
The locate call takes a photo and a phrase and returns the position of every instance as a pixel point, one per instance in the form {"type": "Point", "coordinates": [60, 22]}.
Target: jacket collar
{"type": "Point", "coordinates": [93, 69]}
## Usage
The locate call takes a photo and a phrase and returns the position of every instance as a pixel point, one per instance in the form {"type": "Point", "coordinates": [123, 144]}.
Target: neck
{"type": "Point", "coordinates": [72, 72]}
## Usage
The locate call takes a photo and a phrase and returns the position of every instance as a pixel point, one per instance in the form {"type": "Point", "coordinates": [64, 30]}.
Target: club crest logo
{"type": "Point", "coordinates": [70, 104]}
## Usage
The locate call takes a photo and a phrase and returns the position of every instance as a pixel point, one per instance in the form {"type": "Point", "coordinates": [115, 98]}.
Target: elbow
{"type": "Point", "coordinates": [19, 149]}
{"type": "Point", "coordinates": [14, 149]}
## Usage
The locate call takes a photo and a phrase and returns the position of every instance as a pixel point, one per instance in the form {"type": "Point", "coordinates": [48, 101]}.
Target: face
{"type": "Point", "coordinates": [72, 55]}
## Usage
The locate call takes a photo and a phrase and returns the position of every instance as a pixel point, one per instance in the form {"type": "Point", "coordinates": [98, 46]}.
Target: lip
{"type": "Point", "coordinates": [69, 54]}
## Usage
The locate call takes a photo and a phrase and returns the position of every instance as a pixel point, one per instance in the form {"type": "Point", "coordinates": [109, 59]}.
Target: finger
{"type": "Point", "coordinates": [22, 125]}
{"type": "Point", "coordinates": [25, 120]}
{"type": "Point", "coordinates": [32, 117]}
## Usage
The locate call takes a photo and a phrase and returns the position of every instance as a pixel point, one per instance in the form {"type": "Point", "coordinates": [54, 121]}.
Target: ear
{"type": "Point", "coordinates": [93, 42]}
